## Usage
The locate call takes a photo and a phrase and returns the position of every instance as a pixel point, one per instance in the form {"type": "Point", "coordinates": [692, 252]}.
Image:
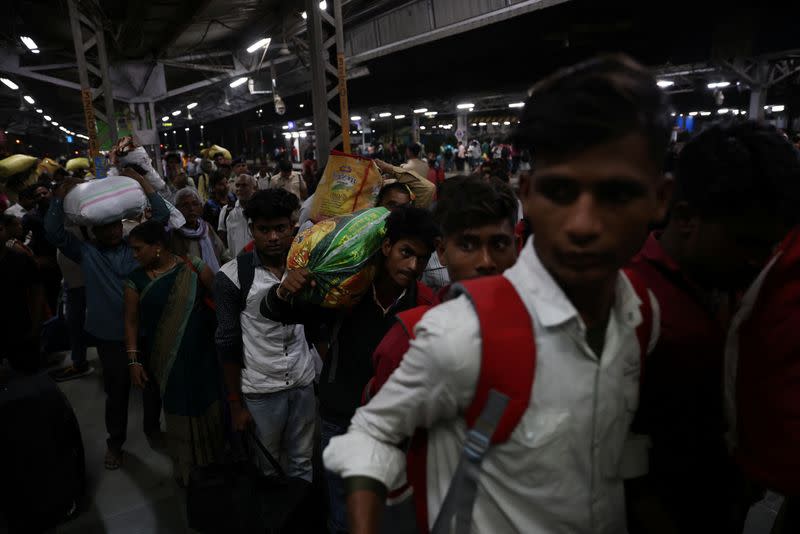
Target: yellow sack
{"type": "Point", "coordinates": [77, 164]}
{"type": "Point", "coordinates": [47, 165]}
{"type": "Point", "coordinates": [16, 164]}
{"type": "Point", "coordinates": [213, 150]}
{"type": "Point", "coordinates": [349, 184]}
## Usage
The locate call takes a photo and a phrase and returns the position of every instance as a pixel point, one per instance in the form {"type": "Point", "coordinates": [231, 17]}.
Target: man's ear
{"type": "Point", "coordinates": [439, 251]}
{"type": "Point", "coordinates": [664, 193]}
{"type": "Point", "coordinates": [386, 246]}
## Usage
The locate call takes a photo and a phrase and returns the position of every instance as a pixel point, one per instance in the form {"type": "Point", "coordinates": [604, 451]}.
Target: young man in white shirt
{"type": "Point", "coordinates": [233, 226]}
{"type": "Point", "coordinates": [600, 130]}
{"type": "Point", "coordinates": [269, 368]}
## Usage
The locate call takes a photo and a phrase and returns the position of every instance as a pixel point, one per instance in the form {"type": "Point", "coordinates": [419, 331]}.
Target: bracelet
{"type": "Point", "coordinates": [134, 362]}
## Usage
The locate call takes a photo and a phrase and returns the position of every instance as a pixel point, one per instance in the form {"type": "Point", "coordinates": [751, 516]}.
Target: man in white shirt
{"type": "Point", "coordinates": [414, 163]}
{"type": "Point", "coordinates": [269, 368]}
{"type": "Point", "coordinates": [233, 227]}
{"type": "Point", "coordinates": [600, 129]}
{"type": "Point", "coordinates": [289, 180]}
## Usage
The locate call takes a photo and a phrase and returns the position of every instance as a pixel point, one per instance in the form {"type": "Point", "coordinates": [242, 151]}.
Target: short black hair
{"type": "Point", "coordinates": [217, 177]}
{"type": "Point", "coordinates": [271, 204]}
{"type": "Point", "coordinates": [239, 161]}
{"type": "Point", "coordinates": [471, 202]}
{"type": "Point", "coordinates": [285, 165]}
{"type": "Point", "coordinates": [408, 222]}
{"type": "Point", "coordinates": [594, 102]}
{"type": "Point", "coordinates": [7, 220]}
{"type": "Point", "coordinates": [30, 191]}
{"type": "Point", "coordinates": [415, 149]}
{"type": "Point", "coordinates": [729, 169]}
{"type": "Point", "coordinates": [150, 232]}
{"type": "Point", "coordinates": [394, 186]}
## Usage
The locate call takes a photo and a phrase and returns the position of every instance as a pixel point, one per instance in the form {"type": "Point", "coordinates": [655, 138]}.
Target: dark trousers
{"type": "Point", "coordinates": [117, 385]}
{"type": "Point", "coordinates": [76, 314]}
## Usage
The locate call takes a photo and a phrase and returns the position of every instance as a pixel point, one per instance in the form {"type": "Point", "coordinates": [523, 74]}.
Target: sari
{"type": "Point", "coordinates": [177, 331]}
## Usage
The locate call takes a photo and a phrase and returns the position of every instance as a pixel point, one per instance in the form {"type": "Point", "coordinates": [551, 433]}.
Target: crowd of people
{"type": "Point", "coordinates": [611, 347]}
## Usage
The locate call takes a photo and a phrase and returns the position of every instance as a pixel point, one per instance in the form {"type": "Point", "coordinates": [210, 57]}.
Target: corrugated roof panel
{"type": "Point", "coordinates": [448, 12]}
{"type": "Point", "coordinates": [404, 22]}
{"type": "Point", "coordinates": [360, 39]}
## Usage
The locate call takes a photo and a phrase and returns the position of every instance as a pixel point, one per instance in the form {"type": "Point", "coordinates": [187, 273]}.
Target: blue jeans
{"type": "Point", "coordinates": [337, 502]}
{"type": "Point", "coordinates": [285, 425]}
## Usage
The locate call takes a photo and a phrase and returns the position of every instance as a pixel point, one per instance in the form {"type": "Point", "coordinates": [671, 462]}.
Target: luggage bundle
{"type": "Point", "coordinates": [339, 254]}
{"type": "Point", "coordinates": [349, 184]}
{"type": "Point", "coordinates": [18, 172]}
{"type": "Point", "coordinates": [104, 201]}
{"type": "Point", "coordinates": [127, 153]}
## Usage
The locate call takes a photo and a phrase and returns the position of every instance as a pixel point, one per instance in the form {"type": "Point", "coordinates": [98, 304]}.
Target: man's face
{"type": "Point", "coordinates": [590, 212]}
{"type": "Point", "coordinates": [240, 168]}
{"type": "Point", "coordinates": [191, 208]}
{"type": "Point", "coordinates": [244, 188]}
{"type": "Point", "coordinates": [482, 251]}
{"type": "Point", "coordinates": [42, 197]}
{"type": "Point", "coordinates": [394, 199]}
{"type": "Point", "coordinates": [285, 174]}
{"type": "Point", "coordinates": [405, 260]}
{"type": "Point", "coordinates": [272, 237]}
{"type": "Point", "coordinates": [728, 253]}
{"type": "Point", "coordinates": [108, 235]}
{"type": "Point", "coordinates": [221, 188]}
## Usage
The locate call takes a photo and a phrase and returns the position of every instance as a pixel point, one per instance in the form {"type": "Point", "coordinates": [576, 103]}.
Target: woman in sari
{"type": "Point", "coordinates": [196, 237]}
{"type": "Point", "coordinates": [169, 332]}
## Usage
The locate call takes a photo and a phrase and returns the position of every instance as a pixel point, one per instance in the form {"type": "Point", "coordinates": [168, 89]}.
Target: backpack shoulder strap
{"type": "Point", "coordinates": [507, 341]}
{"type": "Point", "coordinates": [409, 318]}
{"type": "Point", "coordinates": [246, 272]}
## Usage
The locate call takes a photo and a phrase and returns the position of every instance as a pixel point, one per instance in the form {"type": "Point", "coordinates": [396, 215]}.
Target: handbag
{"type": "Point", "coordinates": [236, 497]}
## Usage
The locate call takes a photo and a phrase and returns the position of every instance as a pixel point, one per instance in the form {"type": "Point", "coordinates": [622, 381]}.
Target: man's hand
{"type": "Point", "coordinates": [241, 419]}
{"type": "Point", "coordinates": [139, 377]}
{"type": "Point", "coordinates": [130, 173]}
{"type": "Point", "coordinates": [383, 166]}
{"type": "Point", "coordinates": [65, 187]}
{"type": "Point", "coordinates": [295, 281]}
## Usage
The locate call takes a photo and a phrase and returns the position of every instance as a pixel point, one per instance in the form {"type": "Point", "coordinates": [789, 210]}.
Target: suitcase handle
{"type": "Point", "coordinates": [271, 459]}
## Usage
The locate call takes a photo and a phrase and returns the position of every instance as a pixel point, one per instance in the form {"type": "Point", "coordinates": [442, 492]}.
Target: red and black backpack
{"type": "Point", "coordinates": [501, 398]}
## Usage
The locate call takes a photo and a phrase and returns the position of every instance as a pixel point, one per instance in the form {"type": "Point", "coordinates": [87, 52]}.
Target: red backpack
{"type": "Point", "coordinates": [501, 398]}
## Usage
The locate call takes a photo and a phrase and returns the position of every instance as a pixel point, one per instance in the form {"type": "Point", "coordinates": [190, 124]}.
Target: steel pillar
{"type": "Point", "coordinates": [321, 90]}
{"type": "Point", "coordinates": [318, 82]}
{"type": "Point", "coordinates": [415, 129]}
{"type": "Point", "coordinates": [96, 39]}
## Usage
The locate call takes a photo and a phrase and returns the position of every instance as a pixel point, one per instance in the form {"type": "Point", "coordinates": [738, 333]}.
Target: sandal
{"type": "Point", "coordinates": [113, 460]}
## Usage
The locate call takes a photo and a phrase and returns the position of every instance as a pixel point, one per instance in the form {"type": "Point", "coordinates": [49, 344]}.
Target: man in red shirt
{"type": "Point", "coordinates": [477, 221]}
{"type": "Point", "coordinates": [736, 197]}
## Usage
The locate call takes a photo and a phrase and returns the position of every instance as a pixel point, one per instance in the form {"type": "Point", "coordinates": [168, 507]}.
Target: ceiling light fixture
{"type": "Point", "coordinates": [8, 83]}
{"type": "Point", "coordinates": [665, 83]}
{"type": "Point", "coordinates": [323, 5]}
{"type": "Point", "coordinates": [384, 114]}
{"type": "Point", "coordinates": [176, 113]}
{"type": "Point", "coordinates": [705, 113]}
{"type": "Point", "coordinates": [29, 99]}
{"type": "Point", "coordinates": [192, 105]}
{"type": "Point", "coordinates": [355, 118]}
{"type": "Point", "coordinates": [261, 43]}
{"type": "Point", "coordinates": [238, 82]}
{"type": "Point", "coordinates": [165, 118]}
{"type": "Point", "coordinates": [39, 110]}
{"type": "Point", "coordinates": [304, 15]}
{"type": "Point", "coordinates": [399, 117]}
{"type": "Point", "coordinates": [27, 41]}
{"type": "Point", "coordinates": [48, 118]}
{"type": "Point", "coordinates": [421, 110]}
{"type": "Point", "coordinates": [517, 105]}
{"type": "Point", "coordinates": [718, 85]}
{"type": "Point", "coordinates": [465, 106]}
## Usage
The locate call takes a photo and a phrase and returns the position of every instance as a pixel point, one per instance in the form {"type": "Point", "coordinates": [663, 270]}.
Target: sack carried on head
{"type": "Point", "coordinates": [349, 184]}
{"type": "Point", "coordinates": [339, 254]}
{"type": "Point", "coordinates": [104, 201]}
{"type": "Point", "coordinates": [126, 152]}
{"type": "Point", "coordinates": [18, 172]}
